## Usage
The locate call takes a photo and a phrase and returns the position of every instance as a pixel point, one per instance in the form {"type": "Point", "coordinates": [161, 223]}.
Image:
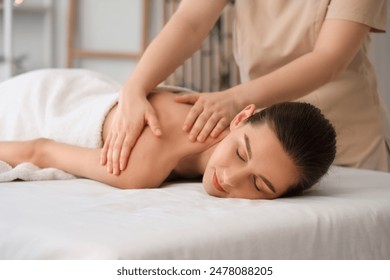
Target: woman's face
{"type": "Point", "coordinates": [249, 163]}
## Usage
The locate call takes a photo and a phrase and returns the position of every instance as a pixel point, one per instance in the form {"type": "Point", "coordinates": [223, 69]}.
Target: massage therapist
{"type": "Point", "coordinates": [304, 50]}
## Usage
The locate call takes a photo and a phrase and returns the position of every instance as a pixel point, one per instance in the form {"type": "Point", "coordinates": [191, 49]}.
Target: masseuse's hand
{"type": "Point", "coordinates": [210, 115]}
{"type": "Point", "coordinates": [131, 117]}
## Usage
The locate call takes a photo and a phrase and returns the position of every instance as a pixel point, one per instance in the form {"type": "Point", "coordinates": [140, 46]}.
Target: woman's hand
{"type": "Point", "coordinates": [128, 123]}
{"type": "Point", "coordinates": [210, 115]}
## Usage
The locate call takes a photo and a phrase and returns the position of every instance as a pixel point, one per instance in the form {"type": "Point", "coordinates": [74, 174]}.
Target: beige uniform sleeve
{"type": "Point", "coordinates": [369, 12]}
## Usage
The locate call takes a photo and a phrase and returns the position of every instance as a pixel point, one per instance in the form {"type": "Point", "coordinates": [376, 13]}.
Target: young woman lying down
{"type": "Point", "coordinates": [60, 119]}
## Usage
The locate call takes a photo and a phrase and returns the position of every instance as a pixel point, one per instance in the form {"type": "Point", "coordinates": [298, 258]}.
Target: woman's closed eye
{"type": "Point", "coordinates": [240, 156]}
{"type": "Point", "coordinates": [255, 178]}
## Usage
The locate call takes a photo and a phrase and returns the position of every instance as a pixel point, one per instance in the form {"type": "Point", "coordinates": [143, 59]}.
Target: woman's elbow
{"type": "Point", "coordinates": [36, 151]}
{"type": "Point", "coordinates": [131, 183]}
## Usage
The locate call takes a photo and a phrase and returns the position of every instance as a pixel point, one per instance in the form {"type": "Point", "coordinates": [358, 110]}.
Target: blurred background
{"type": "Point", "coordinates": [110, 36]}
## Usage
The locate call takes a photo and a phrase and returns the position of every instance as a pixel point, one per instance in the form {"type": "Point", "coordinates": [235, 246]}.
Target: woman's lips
{"type": "Point", "coordinates": [216, 183]}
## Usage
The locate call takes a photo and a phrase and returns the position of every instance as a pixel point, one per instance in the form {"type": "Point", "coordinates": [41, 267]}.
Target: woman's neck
{"type": "Point", "coordinates": [194, 165]}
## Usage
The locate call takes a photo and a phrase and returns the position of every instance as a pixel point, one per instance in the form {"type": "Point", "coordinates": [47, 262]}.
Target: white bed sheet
{"type": "Point", "coordinates": [346, 216]}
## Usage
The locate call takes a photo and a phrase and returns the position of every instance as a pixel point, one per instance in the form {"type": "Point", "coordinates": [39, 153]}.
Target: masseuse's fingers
{"type": "Point", "coordinates": [116, 151]}
{"type": "Point", "coordinates": [194, 112]}
{"type": "Point", "coordinates": [125, 153]}
{"type": "Point", "coordinates": [126, 127]}
{"type": "Point", "coordinates": [191, 118]}
{"type": "Point", "coordinates": [152, 121]}
{"type": "Point", "coordinates": [204, 123]}
{"type": "Point", "coordinates": [213, 127]}
{"type": "Point", "coordinates": [110, 152]}
{"type": "Point", "coordinates": [127, 143]}
{"type": "Point", "coordinates": [188, 98]}
{"type": "Point", "coordinates": [196, 120]}
{"type": "Point", "coordinates": [211, 113]}
{"type": "Point", "coordinates": [221, 125]}
{"type": "Point", "coordinates": [123, 144]}
{"type": "Point", "coordinates": [103, 153]}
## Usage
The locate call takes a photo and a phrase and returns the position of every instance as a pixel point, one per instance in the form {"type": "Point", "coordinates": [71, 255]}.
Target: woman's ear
{"type": "Point", "coordinates": [241, 116]}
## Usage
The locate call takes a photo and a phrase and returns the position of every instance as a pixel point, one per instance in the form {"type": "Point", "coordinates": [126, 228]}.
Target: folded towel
{"type": "Point", "coordinates": [29, 172]}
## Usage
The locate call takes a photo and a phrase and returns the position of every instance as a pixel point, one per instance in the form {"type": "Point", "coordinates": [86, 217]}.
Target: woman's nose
{"type": "Point", "coordinates": [233, 177]}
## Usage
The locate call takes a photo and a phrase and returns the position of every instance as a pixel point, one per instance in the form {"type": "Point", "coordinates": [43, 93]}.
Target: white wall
{"type": "Point", "coordinates": [104, 26]}
{"type": "Point", "coordinates": [29, 37]}
{"type": "Point", "coordinates": [380, 56]}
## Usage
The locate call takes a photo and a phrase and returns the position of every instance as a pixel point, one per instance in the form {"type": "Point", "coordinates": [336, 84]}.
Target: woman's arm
{"type": "Point", "coordinates": [79, 161]}
{"type": "Point", "coordinates": [15, 152]}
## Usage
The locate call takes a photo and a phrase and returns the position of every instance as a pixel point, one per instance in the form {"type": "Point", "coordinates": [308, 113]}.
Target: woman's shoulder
{"type": "Point", "coordinates": [153, 157]}
{"type": "Point", "coordinates": [171, 114]}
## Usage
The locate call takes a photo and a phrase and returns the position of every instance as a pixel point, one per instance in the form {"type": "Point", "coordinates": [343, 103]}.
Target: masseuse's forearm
{"type": "Point", "coordinates": [336, 46]}
{"type": "Point", "coordinates": [291, 82]}
{"type": "Point", "coordinates": [177, 41]}
{"type": "Point", "coordinates": [160, 59]}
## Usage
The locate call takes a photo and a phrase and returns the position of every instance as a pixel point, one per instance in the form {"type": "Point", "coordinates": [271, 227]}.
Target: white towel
{"type": "Point", "coordinates": [29, 172]}
{"type": "Point", "coordinates": [61, 104]}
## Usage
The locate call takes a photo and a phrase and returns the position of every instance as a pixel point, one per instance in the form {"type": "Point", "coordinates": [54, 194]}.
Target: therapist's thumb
{"type": "Point", "coordinates": [154, 123]}
{"type": "Point", "coordinates": [189, 98]}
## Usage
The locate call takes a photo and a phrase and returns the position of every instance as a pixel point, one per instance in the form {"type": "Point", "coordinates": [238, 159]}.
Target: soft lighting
{"type": "Point", "coordinates": [18, 2]}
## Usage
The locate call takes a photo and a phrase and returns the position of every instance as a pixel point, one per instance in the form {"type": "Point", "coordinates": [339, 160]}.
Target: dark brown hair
{"type": "Point", "coordinates": [306, 136]}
